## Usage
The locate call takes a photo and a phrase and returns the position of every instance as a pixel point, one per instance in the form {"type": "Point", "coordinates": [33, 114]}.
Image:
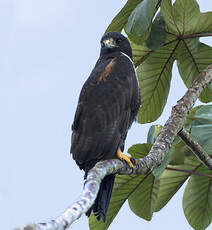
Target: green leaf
{"type": "Point", "coordinates": [202, 127]}
{"type": "Point", "coordinates": [153, 133]}
{"type": "Point", "coordinates": [124, 186]}
{"type": "Point", "coordinates": [140, 53]}
{"type": "Point", "coordinates": [154, 76]}
{"type": "Point", "coordinates": [189, 19]}
{"type": "Point", "coordinates": [142, 200]}
{"type": "Point", "coordinates": [193, 58]}
{"type": "Point", "coordinates": [203, 135]}
{"type": "Point", "coordinates": [139, 150]}
{"type": "Point", "coordinates": [167, 12]}
{"type": "Point", "coordinates": [203, 115]}
{"type": "Point", "coordinates": [120, 20]}
{"type": "Point", "coordinates": [170, 183]}
{"type": "Point", "coordinates": [154, 67]}
{"type": "Point", "coordinates": [178, 152]}
{"type": "Point", "coordinates": [172, 179]}
{"type": "Point", "coordinates": [184, 18]}
{"type": "Point", "coordinates": [187, 23]}
{"type": "Point", "coordinates": [197, 199]}
{"type": "Point", "coordinates": [140, 19]}
{"type": "Point", "coordinates": [190, 116]}
{"type": "Point", "coordinates": [157, 34]}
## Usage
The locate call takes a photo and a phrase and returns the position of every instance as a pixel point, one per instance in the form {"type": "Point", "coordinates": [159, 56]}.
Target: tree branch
{"type": "Point", "coordinates": [145, 165]}
{"type": "Point", "coordinates": [196, 148]}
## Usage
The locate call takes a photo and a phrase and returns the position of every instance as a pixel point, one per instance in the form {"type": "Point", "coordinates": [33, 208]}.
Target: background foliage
{"type": "Point", "coordinates": [161, 32]}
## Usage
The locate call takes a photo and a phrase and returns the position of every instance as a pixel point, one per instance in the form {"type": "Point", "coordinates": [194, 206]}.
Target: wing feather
{"type": "Point", "coordinates": [105, 111]}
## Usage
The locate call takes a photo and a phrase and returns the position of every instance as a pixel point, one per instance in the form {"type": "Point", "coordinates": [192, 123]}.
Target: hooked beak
{"type": "Point", "coordinates": [110, 43]}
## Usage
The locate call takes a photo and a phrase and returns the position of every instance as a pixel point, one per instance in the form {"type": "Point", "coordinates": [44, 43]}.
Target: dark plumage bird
{"type": "Point", "coordinates": [108, 104]}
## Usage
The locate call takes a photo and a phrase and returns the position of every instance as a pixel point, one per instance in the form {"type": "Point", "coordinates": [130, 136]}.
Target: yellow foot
{"type": "Point", "coordinates": [121, 156]}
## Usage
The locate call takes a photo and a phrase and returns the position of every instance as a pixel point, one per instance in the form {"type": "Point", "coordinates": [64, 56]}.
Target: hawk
{"type": "Point", "coordinates": [108, 104]}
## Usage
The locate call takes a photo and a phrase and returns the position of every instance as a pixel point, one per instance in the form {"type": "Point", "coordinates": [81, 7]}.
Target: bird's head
{"type": "Point", "coordinates": [114, 42]}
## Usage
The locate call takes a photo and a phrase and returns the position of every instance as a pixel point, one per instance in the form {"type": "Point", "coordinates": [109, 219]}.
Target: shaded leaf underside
{"type": "Point", "coordinates": [124, 186]}
{"type": "Point", "coordinates": [197, 199]}
{"type": "Point", "coordinates": [182, 44]}
{"type": "Point", "coordinates": [154, 77]}
{"type": "Point", "coordinates": [173, 178]}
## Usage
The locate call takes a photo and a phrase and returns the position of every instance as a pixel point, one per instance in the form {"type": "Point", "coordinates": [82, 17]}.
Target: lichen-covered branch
{"type": "Point", "coordinates": [156, 155]}
{"type": "Point", "coordinates": [87, 198]}
{"type": "Point", "coordinates": [196, 148]}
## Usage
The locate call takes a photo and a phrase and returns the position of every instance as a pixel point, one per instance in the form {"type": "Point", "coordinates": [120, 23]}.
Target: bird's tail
{"type": "Point", "coordinates": [102, 201]}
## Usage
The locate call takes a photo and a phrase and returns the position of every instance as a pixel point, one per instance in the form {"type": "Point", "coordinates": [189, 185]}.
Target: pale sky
{"type": "Point", "coordinates": [48, 49]}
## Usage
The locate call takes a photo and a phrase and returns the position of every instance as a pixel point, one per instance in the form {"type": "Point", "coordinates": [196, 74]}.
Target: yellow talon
{"type": "Point", "coordinates": [121, 156]}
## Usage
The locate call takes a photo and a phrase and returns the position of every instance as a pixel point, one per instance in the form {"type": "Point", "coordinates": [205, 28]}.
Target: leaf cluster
{"type": "Point", "coordinates": [160, 33]}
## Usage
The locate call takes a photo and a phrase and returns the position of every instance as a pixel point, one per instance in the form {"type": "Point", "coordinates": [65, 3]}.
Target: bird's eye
{"type": "Point", "coordinates": [118, 40]}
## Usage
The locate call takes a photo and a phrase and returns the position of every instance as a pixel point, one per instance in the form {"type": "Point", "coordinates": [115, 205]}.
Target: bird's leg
{"type": "Point", "coordinates": [121, 156]}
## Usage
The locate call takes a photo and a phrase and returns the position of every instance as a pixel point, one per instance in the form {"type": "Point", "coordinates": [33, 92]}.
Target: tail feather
{"type": "Point", "coordinates": [102, 201]}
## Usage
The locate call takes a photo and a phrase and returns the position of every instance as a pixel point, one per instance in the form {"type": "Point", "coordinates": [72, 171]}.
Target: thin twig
{"type": "Point", "coordinates": [190, 172]}
{"type": "Point", "coordinates": [145, 165]}
{"type": "Point", "coordinates": [197, 35]}
{"type": "Point", "coordinates": [195, 147]}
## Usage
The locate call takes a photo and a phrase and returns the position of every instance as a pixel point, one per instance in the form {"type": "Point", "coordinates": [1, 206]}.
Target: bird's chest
{"type": "Point", "coordinates": [107, 74]}
{"type": "Point", "coordinates": [108, 79]}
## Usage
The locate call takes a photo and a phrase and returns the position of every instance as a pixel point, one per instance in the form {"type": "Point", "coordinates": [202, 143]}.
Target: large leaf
{"type": "Point", "coordinates": [197, 199]}
{"type": "Point", "coordinates": [139, 150]}
{"type": "Point", "coordinates": [154, 67]}
{"type": "Point", "coordinates": [141, 17]}
{"type": "Point", "coordinates": [154, 77]}
{"type": "Point", "coordinates": [202, 127]}
{"type": "Point", "coordinates": [121, 18]}
{"type": "Point", "coordinates": [203, 115]}
{"type": "Point", "coordinates": [190, 117]}
{"type": "Point", "coordinates": [203, 135]}
{"type": "Point", "coordinates": [140, 20]}
{"type": "Point", "coordinates": [142, 200]}
{"type": "Point", "coordinates": [178, 152]}
{"type": "Point", "coordinates": [140, 53]}
{"type": "Point", "coordinates": [184, 18]}
{"type": "Point", "coordinates": [193, 58]}
{"type": "Point", "coordinates": [168, 15]}
{"type": "Point", "coordinates": [153, 132]}
{"type": "Point", "coordinates": [124, 186]}
{"type": "Point", "coordinates": [157, 34]}
{"type": "Point", "coordinates": [185, 21]}
{"type": "Point", "coordinates": [173, 178]}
